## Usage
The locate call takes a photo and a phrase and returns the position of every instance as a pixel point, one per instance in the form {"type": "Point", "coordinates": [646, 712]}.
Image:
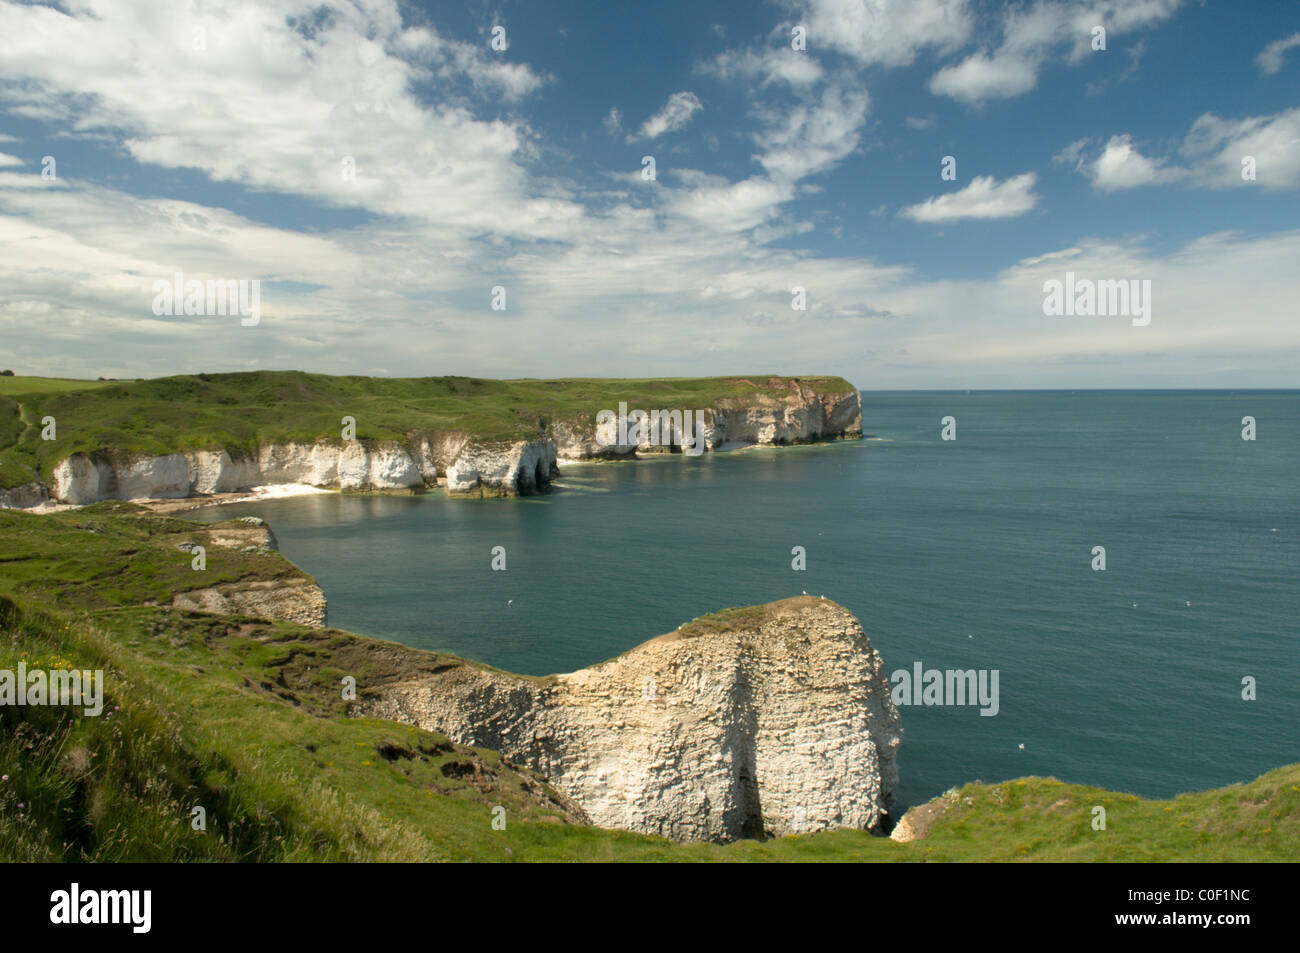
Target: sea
{"type": "Point", "coordinates": [1175, 668]}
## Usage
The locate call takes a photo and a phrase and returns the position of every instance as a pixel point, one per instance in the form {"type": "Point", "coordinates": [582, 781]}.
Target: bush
{"type": "Point", "coordinates": [6, 373]}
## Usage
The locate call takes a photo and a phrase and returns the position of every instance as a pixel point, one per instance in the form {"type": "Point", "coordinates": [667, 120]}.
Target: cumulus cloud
{"type": "Point", "coordinates": [1212, 155]}
{"type": "Point", "coordinates": [985, 197]}
{"type": "Point", "coordinates": [1119, 165]}
{"type": "Point", "coordinates": [980, 77]}
{"type": "Point", "coordinates": [1036, 34]}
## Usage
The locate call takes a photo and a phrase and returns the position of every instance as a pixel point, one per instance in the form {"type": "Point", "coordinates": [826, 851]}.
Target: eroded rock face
{"type": "Point", "coordinates": [291, 597]}
{"type": "Point", "coordinates": [24, 496]}
{"type": "Point", "coordinates": [275, 600]}
{"type": "Point", "coordinates": [110, 475]}
{"type": "Point", "coordinates": [774, 723]}
{"type": "Point", "coordinates": [506, 468]}
{"type": "Point", "coordinates": [802, 415]}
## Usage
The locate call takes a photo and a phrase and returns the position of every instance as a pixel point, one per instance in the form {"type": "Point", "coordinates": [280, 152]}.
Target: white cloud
{"type": "Point", "coordinates": [675, 113]}
{"type": "Point", "coordinates": [811, 137]}
{"type": "Point", "coordinates": [985, 197]}
{"type": "Point", "coordinates": [77, 293]}
{"type": "Point", "coordinates": [769, 66]}
{"type": "Point", "coordinates": [919, 123]}
{"type": "Point", "coordinates": [1120, 166]}
{"type": "Point", "coordinates": [1212, 153]}
{"type": "Point", "coordinates": [1215, 147]}
{"type": "Point", "coordinates": [1072, 154]}
{"type": "Point", "coordinates": [883, 32]}
{"type": "Point", "coordinates": [1270, 58]}
{"type": "Point", "coordinates": [732, 206]}
{"type": "Point", "coordinates": [281, 107]}
{"type": "Point", "coordinates": [613, 121]}
{"type": "Point", "coordinates": [980, 77]}
{"type": "Point", "coordinates": [1035, 34]}
{"type": "Point", "coordinates": [458, 203]}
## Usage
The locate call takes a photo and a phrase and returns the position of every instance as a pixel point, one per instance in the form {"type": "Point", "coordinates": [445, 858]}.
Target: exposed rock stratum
{"type": "Point", "coordinates": [750, 723]}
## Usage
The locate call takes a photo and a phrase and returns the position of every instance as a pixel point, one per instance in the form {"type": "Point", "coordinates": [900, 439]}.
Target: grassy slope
{"type": "Point", "coordinates": [245, 718]}
{"type": "Point", "coordinates": [241, 410]}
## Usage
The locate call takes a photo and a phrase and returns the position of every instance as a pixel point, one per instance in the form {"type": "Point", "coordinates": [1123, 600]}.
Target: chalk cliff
{"type": "Point", "coordinates": [758, 722]}
{"type": "Point", "coordinates": [23, 496]}
{"type": "Point", "coordinates": [468, 466]}
{"type": "Point", "coordinates": [504, 468]}
{"type": "Point", "coordinates": [802, 415]}
{"type": "Point", "coordinates": [116, 475]}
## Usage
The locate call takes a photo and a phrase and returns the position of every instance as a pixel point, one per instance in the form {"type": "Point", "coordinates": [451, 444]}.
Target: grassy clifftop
{"type": "Point", "coordinates": [245, 718]}
{"type": "Point", "coordinates": [193, 412]}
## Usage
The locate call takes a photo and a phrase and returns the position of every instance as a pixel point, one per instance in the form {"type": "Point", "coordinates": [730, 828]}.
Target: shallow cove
{"type": "Point", "coordinates": [969, 554]}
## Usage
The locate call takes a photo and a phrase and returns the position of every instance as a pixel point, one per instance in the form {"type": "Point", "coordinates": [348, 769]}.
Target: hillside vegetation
{"type": "Point", "coordinates": [240, 411]}
{"type": "Point", "coordinates": [245, 718]}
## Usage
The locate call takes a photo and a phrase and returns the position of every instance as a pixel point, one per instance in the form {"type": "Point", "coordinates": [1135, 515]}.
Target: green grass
{"type": "Point", "coordinates": [245, 718]}
{"type": "Point", "coordinates": [118, 554]}
{"type": "Point", "coordinates": [47, 385]}
{"type": "Point", "coordinates": [240, 411]}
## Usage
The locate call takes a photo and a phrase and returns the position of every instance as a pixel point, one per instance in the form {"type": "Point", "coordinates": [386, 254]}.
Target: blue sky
{"type": "Point", "coordinates": [209, 138]}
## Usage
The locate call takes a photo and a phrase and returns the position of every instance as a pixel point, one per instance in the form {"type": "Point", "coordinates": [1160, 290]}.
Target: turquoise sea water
{"type": "Point", "coordinates": [974, 553]}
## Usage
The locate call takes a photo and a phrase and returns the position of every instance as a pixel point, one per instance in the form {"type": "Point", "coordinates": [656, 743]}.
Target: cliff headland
{"type": "Point", "coordinates": [79, 442]}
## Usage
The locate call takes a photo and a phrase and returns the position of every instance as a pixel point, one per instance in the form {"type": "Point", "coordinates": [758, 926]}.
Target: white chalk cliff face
{"type": "Point", "coordinates": [469, 467]}
{"type": "Point", "coordinates": [803, 415]}
{"type": "Point", "coordinates": [779, 722]}
{"type": "Point", "coordinates": [113, 475]}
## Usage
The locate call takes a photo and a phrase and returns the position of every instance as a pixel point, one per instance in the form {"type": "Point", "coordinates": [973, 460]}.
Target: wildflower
{"type": "Point", "coordinates": [4, 777]}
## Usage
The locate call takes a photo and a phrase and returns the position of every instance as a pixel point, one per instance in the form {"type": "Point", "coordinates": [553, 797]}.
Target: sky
{"type": "Point", "coordinates": [878, 189]}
